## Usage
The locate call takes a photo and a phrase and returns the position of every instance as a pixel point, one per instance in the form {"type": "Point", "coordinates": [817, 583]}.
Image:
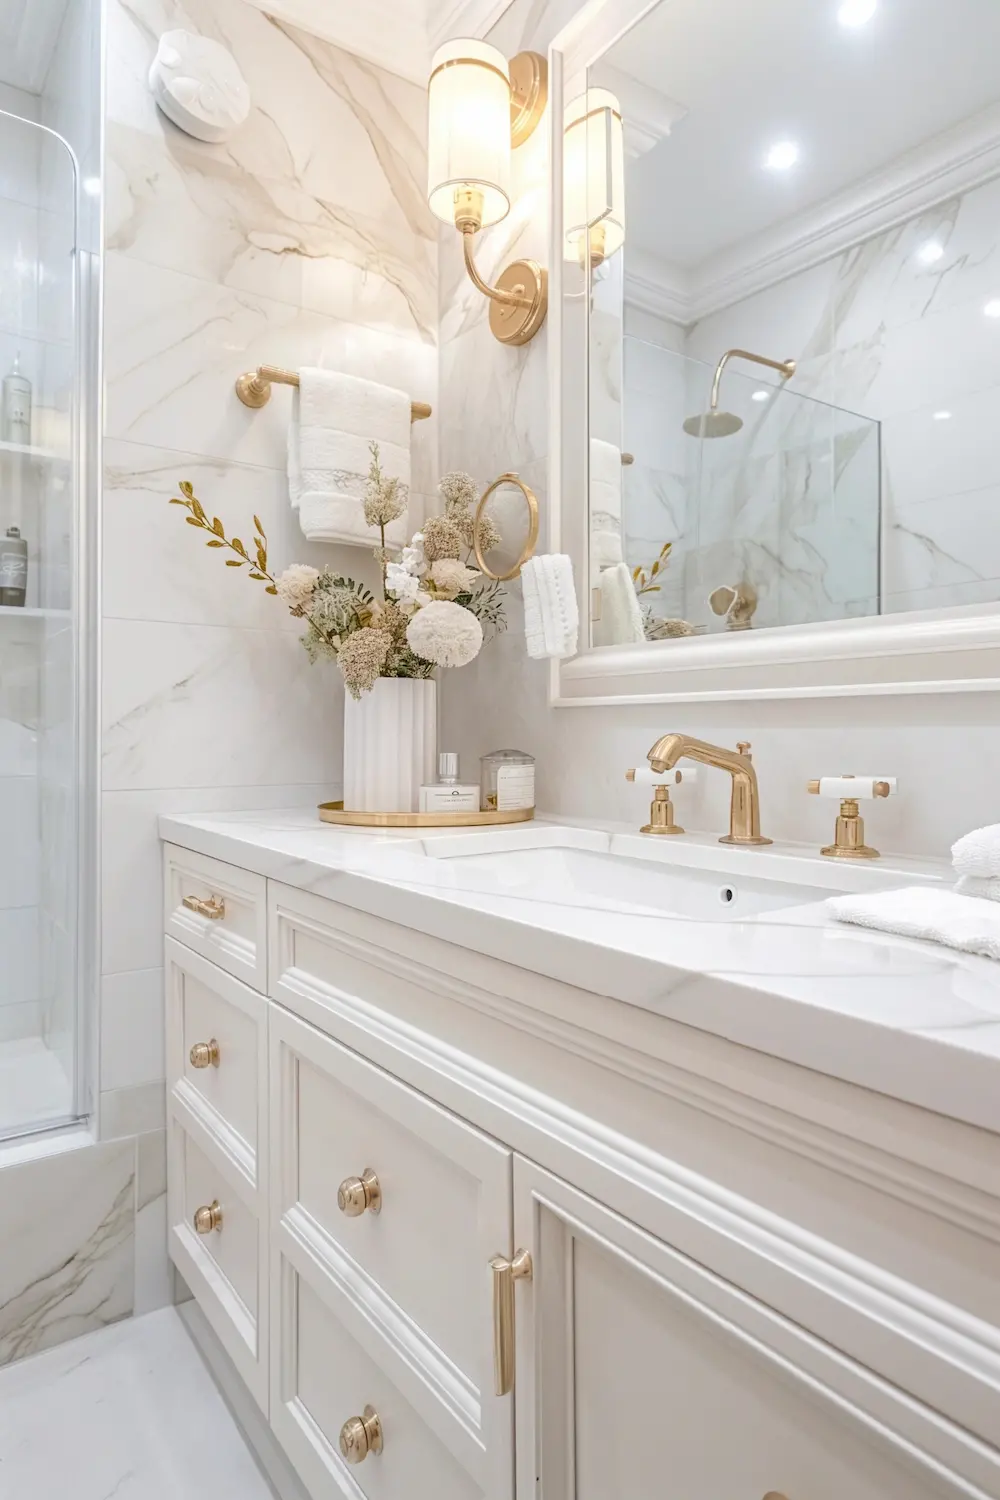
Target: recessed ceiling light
{"type": "Point", "coordinates": [942, 416]}
{"type": "Point", "coordinates": [930, 252]}
{"type": "Point", "coordinates": [857, 12]}
{"type": "Point", "coordinates": [760, 395]}
{"type": "Point", "coordinates": [782, 155]}
{"type": "Point", "coordinates": [992, 309]}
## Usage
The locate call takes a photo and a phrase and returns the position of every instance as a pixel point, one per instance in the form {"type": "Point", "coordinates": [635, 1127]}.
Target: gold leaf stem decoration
{"type": "Point", "coordinates": [197, 516]}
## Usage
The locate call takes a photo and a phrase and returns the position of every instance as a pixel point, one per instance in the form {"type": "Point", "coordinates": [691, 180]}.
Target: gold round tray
{"type": "Point", "coordinates": [333, 812]}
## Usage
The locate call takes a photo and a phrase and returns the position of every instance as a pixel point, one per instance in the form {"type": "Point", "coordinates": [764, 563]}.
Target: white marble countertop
{"type": "Point", "coordinates": [917, 1022]}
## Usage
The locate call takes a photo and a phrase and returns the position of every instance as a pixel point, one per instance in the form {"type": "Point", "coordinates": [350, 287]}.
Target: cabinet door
{"type": "Point", "coordinates": [389, 1309]}
{"type": "Point", "coordinates": [641, 1375]}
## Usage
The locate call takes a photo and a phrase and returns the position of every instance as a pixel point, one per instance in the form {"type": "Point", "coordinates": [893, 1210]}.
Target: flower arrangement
{"type": "Point", "coordinates": [436, 608]}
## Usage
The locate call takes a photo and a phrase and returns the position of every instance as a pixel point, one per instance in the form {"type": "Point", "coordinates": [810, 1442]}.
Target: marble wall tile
{"type": "Point", "coordinates": [153, 1281]}
{"type": "Point", "coordinates": [132, 1111]}
{"type": "Point", "coordinates": [67, 1266]}
{"type": "Point", "coordinates": [131, 1029]}
{"type": "Point", "coordinates": [19, 954]}
{"type": "Point", "coordinates": [21, 841]}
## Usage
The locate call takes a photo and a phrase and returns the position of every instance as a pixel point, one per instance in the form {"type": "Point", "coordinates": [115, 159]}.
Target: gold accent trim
{"type": "Point", "coordinates": [333, 812]}
{"type": "Point", "coordinates": [208, 1217]}
{"type": "Point", "coordinates": [254, 389]}
{"type": "Point", "coordinates": [358, 1194]}
{"type": "Point", "coordinates": [360, 1436]}
{"type": "Point", "coordinates": [205, 1054]}
{"type": "Point", "coordinates": [214, 908]}
{"type": "Point", "coordinates": [529, 92]}
{"type": "Point", "coordinates": [528, 550]}
{"type": "Point", "coordinates": [628, 458]}
{"type": "Point", "coordinates": [505, 1273]}
{"type": "Point", "coordinates": [661, 814]}
{"type": "Point", "coordinates": [468, 62]}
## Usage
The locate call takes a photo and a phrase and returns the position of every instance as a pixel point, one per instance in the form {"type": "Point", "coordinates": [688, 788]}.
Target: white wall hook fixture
{"type": "Point", "coordinates": [198, 85]}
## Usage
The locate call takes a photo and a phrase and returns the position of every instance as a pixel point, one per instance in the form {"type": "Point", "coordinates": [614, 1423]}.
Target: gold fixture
{"type": "Point", "coordinates": [360, 1436]}
{"type": "Point", "coordinates": [333, 812]}
{"type": "Point", "coordinates": [593, 178]}
{"type": "Point", "coordinates": [715, 423]}
{"type": "Point", "coordinates": [254, 389]}
{"type": "Point", "coordinates": [356, 1194]}
{"type": "Point", "coordinates": [744, 807]}
{"type": "Point", "coordinates": [213, 907]}
{"type": "Point", "coordinates": [628, 458]}
{"type": "Point", "coordinates": [479, 106]}
{"type": "Point", "coordinates": [505, 1273]}
{"type": "Point", "coordinates": [205, 1054]}
{"type": "Point", "coordinates": [208, 1218]}
{"type": "Point", "coordinates": [528, 550]}
{"type": "Point", "coordinates": [737, 602]}
{"type": "Point", "coordinates": [661, 809]}
{"type": "Point", "coordinates": [849, 832]}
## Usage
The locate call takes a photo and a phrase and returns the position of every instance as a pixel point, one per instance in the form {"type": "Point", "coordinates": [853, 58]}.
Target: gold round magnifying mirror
{"type": "Point", "coordinates": [531, 539]}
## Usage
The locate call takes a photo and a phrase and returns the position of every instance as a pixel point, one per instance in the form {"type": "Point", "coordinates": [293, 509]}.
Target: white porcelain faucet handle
{"type": "Point", "coordinates": [859, 787]}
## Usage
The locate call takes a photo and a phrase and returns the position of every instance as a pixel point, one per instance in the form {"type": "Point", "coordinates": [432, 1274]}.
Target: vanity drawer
{"type": "Point", "coordinates": [216, 1051]}
{"type": "Point", "coordinates": [219, 1245]}
{"type": "Point", "coordinates": [219, 911]}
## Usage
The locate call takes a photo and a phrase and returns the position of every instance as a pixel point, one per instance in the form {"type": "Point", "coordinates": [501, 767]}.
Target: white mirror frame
{"type": "Point", "coordinates": [930, 651]}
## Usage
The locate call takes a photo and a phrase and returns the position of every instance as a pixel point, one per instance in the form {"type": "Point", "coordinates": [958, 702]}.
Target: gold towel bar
{"type": "Point", "coordinates": [254, 389]}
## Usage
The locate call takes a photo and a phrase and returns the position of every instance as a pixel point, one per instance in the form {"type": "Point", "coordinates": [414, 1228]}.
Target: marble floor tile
{"type": "Point", "coordinates": [136, 1416]}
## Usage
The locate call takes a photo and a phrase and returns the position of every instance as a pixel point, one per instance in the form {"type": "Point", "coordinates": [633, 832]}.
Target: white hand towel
{"type": "Point", "coordinates": [605, 549]}
{"type": "Point", "coordinates": [621, 618]}
{"type": "Point", "coordinates": [983, 887]}
{"type": "Point", "coordinates": [551, 613]}
{"type": "Point", "coordinates": [978, 853]}
{"type": "Point", "coordinates": [335, 419]}
{"type": "Point", "coordinates": [605, 482]}
{"type": "Point", "coordinates": [944, 917]}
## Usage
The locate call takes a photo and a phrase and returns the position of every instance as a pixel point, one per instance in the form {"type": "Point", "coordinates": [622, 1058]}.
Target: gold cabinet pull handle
{"type": "Point", "coordinates": [208, 1217]}
{"type": "Point", "coordinates": [505, 1273]}
{"type": "Point", "coordinates": [213, 907]}
{"type": "Point", "coordinates": [205, 1054]}
{"type": "Point", "coordinates": [360, 1436]}
{"type": "Point", "coordinates": [356, 1194]}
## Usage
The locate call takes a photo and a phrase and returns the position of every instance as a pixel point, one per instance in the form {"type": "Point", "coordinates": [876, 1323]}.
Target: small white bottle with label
{"type": "Point", "coordinates": [447, 795]}
{"type": "Point", "coordinates": [508, 781]}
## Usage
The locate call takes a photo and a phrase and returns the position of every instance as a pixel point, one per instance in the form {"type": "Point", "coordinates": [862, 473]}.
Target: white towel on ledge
{"type": "Point", "coordinates": [335, 419]}
{"type": "Point", "coordinates": [551, 612]}
{"type": "Point", "coordinates": [978, 853]}
{"type": "Point", "coordinates": [621, 617]}
{"type": "Point", "coordinates": [944, 917]}
{"type": "Point", "coordinates": [983, 887]}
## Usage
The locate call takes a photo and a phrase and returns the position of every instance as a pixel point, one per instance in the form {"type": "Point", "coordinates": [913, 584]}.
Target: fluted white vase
{"type": "Point", "coordinates": [390, 745]}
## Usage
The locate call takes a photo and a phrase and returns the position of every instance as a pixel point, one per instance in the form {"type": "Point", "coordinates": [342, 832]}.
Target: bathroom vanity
{"type": "Point", "coordinates": [560, 1162]}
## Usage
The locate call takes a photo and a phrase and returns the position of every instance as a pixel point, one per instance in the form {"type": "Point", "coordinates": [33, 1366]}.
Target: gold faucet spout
{"type": "Point", "coordinates": [744, 809]}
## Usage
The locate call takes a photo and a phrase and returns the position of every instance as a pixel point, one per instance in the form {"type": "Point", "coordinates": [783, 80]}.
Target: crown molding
{"type": "Point", "coordinates": [462, 18]}
{"type": "Point", "coordinates": [392, 34]}
{"type": "Point", "coordinates": [648, 115]}
{"type": "Point", "coordinates": [952, 163]}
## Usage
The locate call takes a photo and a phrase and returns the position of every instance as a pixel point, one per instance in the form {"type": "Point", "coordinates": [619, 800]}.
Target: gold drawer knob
{"type": "Point", "coordinates": [208, 1217]}
{"type": "Point", "coordinates": [205, 1054]}
{"type": "Point", "coordinates": [360, 1436]}
{"type": "Point", "coordinates": [214, 907]}
{"type": "Point", "coordinates": [356, 1194]}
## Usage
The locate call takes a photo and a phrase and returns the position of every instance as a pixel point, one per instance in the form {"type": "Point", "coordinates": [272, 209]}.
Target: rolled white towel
{"type": "Point", "coordinates": [944, 917]}
{"type": "Point", "coordinates": [551, 612]}
{"type": "Point", "coordinates": [978, 853]}
{"type": "Point", "coordinates": [621, 618]}
{"type": "Point", "coordinates": [983, 887]}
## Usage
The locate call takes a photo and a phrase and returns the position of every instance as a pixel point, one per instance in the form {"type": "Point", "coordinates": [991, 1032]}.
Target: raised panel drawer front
{"type": "Point", "coordinates": [219, 1243]}
{"type": "Point", "coordinates": [216, 1053]}
{"type": "Point", "coordinates": [641, 1374]}
{"type": "Point", "coordinates": [387, 1210]}
{"type": "Point", "coordinates": [218, 910]}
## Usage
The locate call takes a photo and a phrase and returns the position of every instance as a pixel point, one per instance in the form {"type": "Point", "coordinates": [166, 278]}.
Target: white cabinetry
{"type": "Point", "coordinates": [739, 1279]}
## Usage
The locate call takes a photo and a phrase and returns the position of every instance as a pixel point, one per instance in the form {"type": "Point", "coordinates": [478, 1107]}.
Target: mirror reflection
{"type": "Point", "coordinates": [794, 313]}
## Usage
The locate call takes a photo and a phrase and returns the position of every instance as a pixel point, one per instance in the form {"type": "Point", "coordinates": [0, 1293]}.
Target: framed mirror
{"type": "Point", "coordinates": [775, 346]}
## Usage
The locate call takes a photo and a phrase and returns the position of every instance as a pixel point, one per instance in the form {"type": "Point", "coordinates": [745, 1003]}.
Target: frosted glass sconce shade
{"type": "Point", "coordinates": [468, 136]}
{"type": "Point", "coordinates": [593, 178]}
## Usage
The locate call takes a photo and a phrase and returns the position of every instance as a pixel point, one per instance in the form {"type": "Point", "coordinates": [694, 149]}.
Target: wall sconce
{"type": "Point", "coordinates": [479, 106]}
{"type": "Point", "coordinates": [593, 178]}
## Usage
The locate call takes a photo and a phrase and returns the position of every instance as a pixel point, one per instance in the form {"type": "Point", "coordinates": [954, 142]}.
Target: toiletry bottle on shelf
{"type": "Point", "coordinates": [15, 419]}
{"type": "Point", "coordinates": [447, 794]}
{"type": "Point", "coordinates": [508, 781]}
{"type": "Point", "coordinates": [13, 567]}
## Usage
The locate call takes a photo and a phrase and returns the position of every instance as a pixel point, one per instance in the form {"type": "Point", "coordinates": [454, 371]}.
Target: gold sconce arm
{"type": "Point", "coordinates": [520, 299]}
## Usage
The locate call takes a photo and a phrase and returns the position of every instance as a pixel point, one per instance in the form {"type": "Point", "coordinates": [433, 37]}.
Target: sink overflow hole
{"type": "Point", "coordinates": [727, 895]}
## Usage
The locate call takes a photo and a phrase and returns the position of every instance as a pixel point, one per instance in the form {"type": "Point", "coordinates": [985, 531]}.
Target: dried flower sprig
{"type": "Point", "coordinates": [644, 581]}
{"type": "Point", "coordinates": [197, 516]}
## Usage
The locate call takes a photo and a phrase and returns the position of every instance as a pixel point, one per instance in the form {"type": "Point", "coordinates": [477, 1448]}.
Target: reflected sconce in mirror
{"type": "Point", "coordinates": [479, 107]}
{"type": "Point", "coordinates": [593, 178]}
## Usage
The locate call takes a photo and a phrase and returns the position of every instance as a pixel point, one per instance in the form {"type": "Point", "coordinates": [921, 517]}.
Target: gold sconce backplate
{"type": "Point", "coordinates": [517, 323]}
{"type": "Point", "coordinates": [529, 91]}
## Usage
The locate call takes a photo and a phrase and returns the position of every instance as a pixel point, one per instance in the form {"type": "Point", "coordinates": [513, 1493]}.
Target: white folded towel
{"type": "Point", "coordinates": [621, 618]}
{"type": "Point", "coordinates": [954, 921]}
{"type": "Point", "coordinates": [978, 853]}
{"type": "Point", "coordinates": [983, 887]}
{"type": "Point", "coordinates": [551, 612]}
{"type": "Point", "coordinates": [605, 482]}
{"type": "Point", "coordinates": [335, 419]}
{"type": "Point", "coordinates": [605, 549]}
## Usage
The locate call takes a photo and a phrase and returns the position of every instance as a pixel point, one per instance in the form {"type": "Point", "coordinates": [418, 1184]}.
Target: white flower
{"type": "Point", "coordinates": [413, 559]}
{"type": "Point", "coordinates": [296, 585]}
{"type": "Point", "coordinates": [401, 583]}
{"type": "Point", "coordinates": [449, 576]}
{"type": "Point", "coordinates": [445, 633]}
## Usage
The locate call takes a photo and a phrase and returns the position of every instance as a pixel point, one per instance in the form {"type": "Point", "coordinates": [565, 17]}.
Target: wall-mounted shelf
{"type": "Point", "coordinates": [27, 450]}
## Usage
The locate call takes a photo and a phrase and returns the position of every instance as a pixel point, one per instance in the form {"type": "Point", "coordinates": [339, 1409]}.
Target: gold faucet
{"type": "Point", "coordinates": [744, 810]}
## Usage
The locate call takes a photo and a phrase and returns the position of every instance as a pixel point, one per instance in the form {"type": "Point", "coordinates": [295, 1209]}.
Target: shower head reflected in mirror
{"type": "Point", "coordinates": [714, 423]}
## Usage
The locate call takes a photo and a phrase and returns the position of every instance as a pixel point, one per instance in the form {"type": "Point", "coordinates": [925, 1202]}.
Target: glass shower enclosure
{"type": "Point", "coordinates": [45, 968]}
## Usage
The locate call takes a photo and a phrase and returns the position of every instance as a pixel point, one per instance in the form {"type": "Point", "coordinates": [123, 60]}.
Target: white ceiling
{"type": "Point", "coordinates": [750, 75]}
{"type": "Point", "coordinates": [29, 30]}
